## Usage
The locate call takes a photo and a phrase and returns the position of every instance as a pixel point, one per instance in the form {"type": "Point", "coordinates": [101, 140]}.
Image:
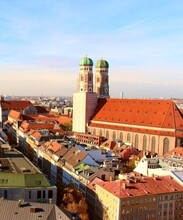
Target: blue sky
{"type": "Point", "coordinates": [42, 42]}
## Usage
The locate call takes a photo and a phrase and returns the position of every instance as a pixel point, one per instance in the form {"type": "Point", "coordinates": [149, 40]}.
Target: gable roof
{"type": "Point", "coordinates": [77, 158]}
{"type": "Point", "coordinates": [69, 153]}
{"type": "Point", "coordinates": [138, 112]}
{"type": "Point", "coordinates": [27, 126]}
{"type": "Point", "coordinates": [63, 120]}
{"type": "Point", "coordinates": [41, 211]}
{"type": "Point", "coordinates": [15, 105]}
{"type": "Point", "coordinates": [41, 109]}
{"type": "Point", "coordinates": [14, 114]}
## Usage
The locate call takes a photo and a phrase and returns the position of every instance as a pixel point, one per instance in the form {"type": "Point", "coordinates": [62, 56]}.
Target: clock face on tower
{"type": "Point", "coordinates": [90, 89]}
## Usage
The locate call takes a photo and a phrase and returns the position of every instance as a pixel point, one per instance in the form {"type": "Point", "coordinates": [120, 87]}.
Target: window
{"type": "Point", "coordinates": [144, 142]}
{"type": "Point", "coordinates": [107, 134]}
{"type": "Point", "coordinates": [153, 144]}
{"type": "Point", "coordinates": [114, 135]}
{"type": "Point", "coordinates": [100, 132]}
{"type": "Point", "coordinates": [165, 146]}
{"type": "Point", "coordinates": [3, 181]}
{"type": "Point", "coordinates": [38, 182]}
{"type": "Point", "coordinates": [30, 194]}
{"type": "Point", "coordinates": [50, 194]}
{"type": "Point", "coordinates": [39, 194]}
{"type": "Point", "coordinates": [94, 131]}
{"type": "Point", "coordinates": [128, 137]}
{"type": "Point", "coordinates": [5, 194]}
{"type": "Point", "coordinates": [121, 136]}
{"type": "Point", "coordinates": [136, 141]}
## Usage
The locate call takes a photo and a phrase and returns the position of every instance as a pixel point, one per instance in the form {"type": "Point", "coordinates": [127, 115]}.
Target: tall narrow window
{"type": "Point", "coordinates": [165, 146]}
{"type": "Point", "coordinates": [38, 194]}
{"type": "Point", "coordinates": [128, 137]}
{"type": "Point", "coordinates": [107, 134]}
{"type": "Point", "coordinates": [114, 135]}
{"type": "Point", "coordinates": [50, 194]}
{"type": "Point", "coordinates": [144, 142]}
{"type": "Point", "coordinates": [100, 132]}
{"type": "Point", "coordinates": [153, 144]}
{"type": "Point", "coordinates": [94, 131]}
{"type": "Point", "coordinates": [5, 194]}
{"type": "Point", "coordinates": [121, 136]}
{"type": "Point", "coordinates": [136, 141]}
{"type": "Point", "coordinates": [30, 194]}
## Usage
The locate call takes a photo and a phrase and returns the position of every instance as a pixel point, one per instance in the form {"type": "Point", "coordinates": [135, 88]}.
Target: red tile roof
{"type": "Point", "coordinates": [35, 134]}
{"type": "Point", "coordinates": [14, 114]}
{"type": "Point", "coordinates": [61, 151]}
{"type": "Point", "coordinates": [26, 126]}
{"type": "Point", "coordinates": [63, 120]}
{"type": "Point", "coordinates": [176, 152]}
{"type": "Point", "coordinates": [15, 105]}
{"type": "Point", "coordinates": [126, 153]}
{"type": "Point", "coordinates": [77, 157]}
{"type": "Point", "coordinates": [54, 146]}
{"type": "Point", "coordinates": [69, 153]}
{"type": "Point", "coordinates": [109, 144]}
{"type": "Point", "coordinates": [149, 113]}
{"type": "Point", "coordinates": [144, 186]}
{"type": "Point", "coordinates": [92, 184]}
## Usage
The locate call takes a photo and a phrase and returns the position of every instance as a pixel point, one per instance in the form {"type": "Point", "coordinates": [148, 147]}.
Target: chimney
{"type": "Point", "coordinates": [123, 185]}
{"type": "Point", "coordinates": [33, 209]}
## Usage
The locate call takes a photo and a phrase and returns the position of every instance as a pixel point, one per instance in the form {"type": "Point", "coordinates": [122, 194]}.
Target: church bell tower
{"type": "Point", "coordinates": [102, 79]}
{"type": "Point", "coordinates": [84, 100]}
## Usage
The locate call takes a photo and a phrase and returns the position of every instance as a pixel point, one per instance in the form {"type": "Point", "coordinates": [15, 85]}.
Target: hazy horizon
{"type": "Point", "coordinates": [42, 42]}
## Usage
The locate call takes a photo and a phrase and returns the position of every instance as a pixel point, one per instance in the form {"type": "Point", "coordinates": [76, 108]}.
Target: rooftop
{"type": "Point", "coordinates": [15, 105]}
{"type": "Point", "coordinates": [33, 211]}
{"type": "Point", "coordinates": [17, 171]}
{"type": "Point", "coordinates": [141, 186]}
{"type": "Point", "coordinates": [122, 113]}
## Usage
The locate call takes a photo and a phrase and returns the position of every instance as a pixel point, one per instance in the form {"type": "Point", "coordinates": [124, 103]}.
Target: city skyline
{"type": "Point", "coordinates": [42, 42]}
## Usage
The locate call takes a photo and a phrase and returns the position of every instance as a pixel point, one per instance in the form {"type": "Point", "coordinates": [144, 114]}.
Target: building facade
{"type": "Point", "coordinates": [149, 125]}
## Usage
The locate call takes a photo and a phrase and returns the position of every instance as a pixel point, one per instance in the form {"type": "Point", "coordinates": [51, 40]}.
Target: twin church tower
{"type": "Point", "coordinates": [85, 99]}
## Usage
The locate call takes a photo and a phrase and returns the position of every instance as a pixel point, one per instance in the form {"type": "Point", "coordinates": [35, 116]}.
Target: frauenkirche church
{"type": "Point", "coordinates": [147, 124]}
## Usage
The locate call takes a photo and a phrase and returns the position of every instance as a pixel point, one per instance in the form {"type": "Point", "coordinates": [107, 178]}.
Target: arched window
{"type": "Point", "coordinates": [94, 131]}
{"type": "Point", "coordinates": [107, 134]}
{"type": "Point", "coordinates": [136, 141]}
{"type": "Point", "coordinates": [114, 135]}
{"type": "Point", "coordinates": [144, 142]}
{"type": "Point", "coordinates": [153, 144]}
{"type": "Point", "coordinates": [121, 136]}
{"type": "Point", "coordinates": [165, 145]}
{"type": "Point", "coordinates": [128, 137]}
{"type": "Point", "coordinates": [100, 132]}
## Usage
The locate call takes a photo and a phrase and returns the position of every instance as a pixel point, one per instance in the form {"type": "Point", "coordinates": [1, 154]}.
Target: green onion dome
{"type": "Point", "coordinates": [102, 64]}
{"type": "Point", "coordinates": [86, 62]}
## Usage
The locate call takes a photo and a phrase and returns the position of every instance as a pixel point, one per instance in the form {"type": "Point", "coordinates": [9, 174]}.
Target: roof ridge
{"type": "Point", "coordinates": [169, 108]}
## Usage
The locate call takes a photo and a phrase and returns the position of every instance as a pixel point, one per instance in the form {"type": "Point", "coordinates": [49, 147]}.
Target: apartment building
{"type": "Point", "coordinates": [20, 179]}
{"type": "Point", "coordinates": [138, 198]}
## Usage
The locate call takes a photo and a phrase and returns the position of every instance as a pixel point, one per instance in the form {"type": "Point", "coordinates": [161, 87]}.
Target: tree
{"type": "Point", "coordinates": [74, 201]}
{"type": "Point", "coordinates": [68, 126]}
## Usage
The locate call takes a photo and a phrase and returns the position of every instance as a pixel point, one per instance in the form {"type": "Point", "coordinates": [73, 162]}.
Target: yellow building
{"type": "Point", "coordinates": [138, 198]}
